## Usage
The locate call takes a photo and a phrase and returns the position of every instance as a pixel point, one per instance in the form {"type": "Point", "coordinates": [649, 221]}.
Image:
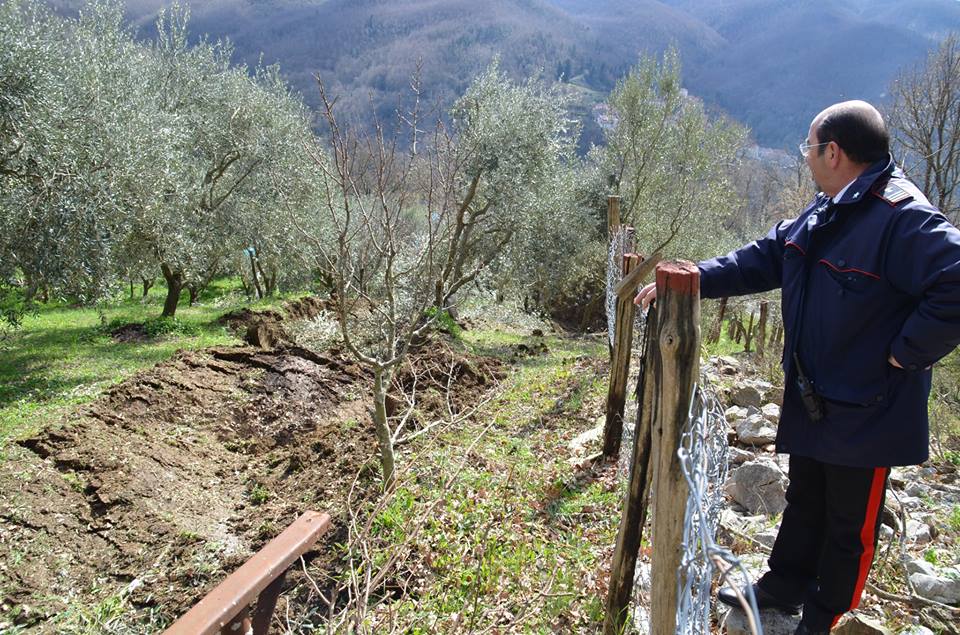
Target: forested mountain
{"type": "Point", "coordinates": [769, 63]}
{"type": "Point", "coordinates": [783, 60]}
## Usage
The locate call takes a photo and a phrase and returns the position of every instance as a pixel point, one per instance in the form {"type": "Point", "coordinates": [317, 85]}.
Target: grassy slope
{"type": "Point", "coordinates": [495, 524]}
{"type": "Point", "coordinates": [64, 356]}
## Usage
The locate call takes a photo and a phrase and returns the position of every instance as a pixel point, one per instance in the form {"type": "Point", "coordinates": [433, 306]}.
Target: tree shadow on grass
{"type": "Point", "coordinates": [587, 472]}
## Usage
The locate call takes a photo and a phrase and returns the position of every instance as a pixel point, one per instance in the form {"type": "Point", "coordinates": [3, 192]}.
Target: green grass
{"type": "Point", "coordinates": [63, 356]}
{"type": "Point", "coordinates": [518, 530]}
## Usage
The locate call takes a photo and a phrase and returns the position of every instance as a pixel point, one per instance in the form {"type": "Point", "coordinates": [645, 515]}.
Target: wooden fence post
{"type": "Point", "coordinates": [714, 335]}
{"type": "Point", "coordinates": [748, 334]}
{"type": "Point", "coordinates": [613, 215]}
{"type": "Point", "coordinates": [634, 515]}
{"type": "Point", "coordinates": [676, 359]}
{"type": "Point", "coordinates": [619, 366]}
{"type": "Point", "coordinates": [613, 226]}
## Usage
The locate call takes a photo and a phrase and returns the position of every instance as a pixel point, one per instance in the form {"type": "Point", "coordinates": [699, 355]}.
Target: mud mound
{"type": "Point", "coordinates": [441, 380]}
{"type": "Point", "coordinates": [130, 333]}
{"type": "Point", "coordinates": [175, 477]}
{"type": "Point", "coordinates": [241, 319]}
{"type": "Point", "coordinates": [305, 308]}
{"type": "Point", "coordinates": [265, 328]}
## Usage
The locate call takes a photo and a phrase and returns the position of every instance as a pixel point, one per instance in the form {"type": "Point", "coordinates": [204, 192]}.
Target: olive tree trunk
{"type": "Point", "coordinates": [175, 283]}
{"type": "Point", "coordinates": [381, 379]}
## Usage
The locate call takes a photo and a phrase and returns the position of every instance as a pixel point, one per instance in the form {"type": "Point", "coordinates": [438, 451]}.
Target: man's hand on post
{"type": "Point", "coordinates": [646, 295]}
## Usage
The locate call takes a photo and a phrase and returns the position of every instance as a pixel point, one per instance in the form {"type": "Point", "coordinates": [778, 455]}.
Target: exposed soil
{"type": "Point", "coordinates": [265, 328]}
{"type": "Point", "coordinates": [175, 477]}
{"type": "Point", "coordinates": [130, 333]}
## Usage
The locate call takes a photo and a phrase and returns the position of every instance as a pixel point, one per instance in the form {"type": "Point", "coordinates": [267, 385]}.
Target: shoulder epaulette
{"type": "Point", "coordinates": [895, 191]}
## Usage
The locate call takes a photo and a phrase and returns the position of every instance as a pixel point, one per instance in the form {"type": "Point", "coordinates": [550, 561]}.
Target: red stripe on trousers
{"type": "Point", "coordinates": [867, 534]}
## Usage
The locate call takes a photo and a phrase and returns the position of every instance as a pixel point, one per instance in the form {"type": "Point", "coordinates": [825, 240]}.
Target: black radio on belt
{"type": "Point", "coordinates": [811, 400]}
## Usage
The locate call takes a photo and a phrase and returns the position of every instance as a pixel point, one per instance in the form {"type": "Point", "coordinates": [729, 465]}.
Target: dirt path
{"type": "Point", "coordinates": [179, 474]}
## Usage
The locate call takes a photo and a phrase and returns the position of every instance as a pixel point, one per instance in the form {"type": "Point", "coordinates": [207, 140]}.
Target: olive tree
{"type": "Point", "coordinates": [670, 161]}
{"type": "Point", "coordinates": [418, 214]}
{"type": "Point", "coordinates": [65, 197]}
{"type": "Point", "coordinates": [558, 253]}
{"type": "Point", "coordinates": [501, 167]}
{"type": "Point", "coordinates": [274, 254]}
{"type": "Point", "coordinates": [230, 132]}
{"type": "Point", "coordinates": [26, 61]}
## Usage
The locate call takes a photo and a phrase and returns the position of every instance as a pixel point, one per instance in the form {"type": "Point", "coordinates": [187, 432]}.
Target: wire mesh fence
{"type": "Point", "coordinates": [704, 462]}
{"type": "Point", "coordinates": [621, 239]}
{"type": "Point", "coordinates": [703, 458]}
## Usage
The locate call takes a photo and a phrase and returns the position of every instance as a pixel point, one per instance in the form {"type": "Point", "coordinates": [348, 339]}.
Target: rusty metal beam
{"type": "Point", "coordinates": [233, 596]}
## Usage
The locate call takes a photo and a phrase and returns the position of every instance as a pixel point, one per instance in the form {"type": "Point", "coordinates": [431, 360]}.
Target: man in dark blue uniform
{"type": "Point", "coordinates": [870, 279]}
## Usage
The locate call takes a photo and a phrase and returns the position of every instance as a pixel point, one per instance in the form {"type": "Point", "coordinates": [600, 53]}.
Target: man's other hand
{"type": "Point", "coordinates": [646, 295]}
{"type": "Point", "coordinates": [893, 362]}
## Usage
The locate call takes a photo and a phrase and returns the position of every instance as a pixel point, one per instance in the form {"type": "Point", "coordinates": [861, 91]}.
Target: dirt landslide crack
{"type": "Point", "coordinates": [178, 474]}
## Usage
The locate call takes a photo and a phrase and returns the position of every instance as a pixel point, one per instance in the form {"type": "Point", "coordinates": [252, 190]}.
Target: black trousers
{"type": "Point", "coordinates": [827, 538]}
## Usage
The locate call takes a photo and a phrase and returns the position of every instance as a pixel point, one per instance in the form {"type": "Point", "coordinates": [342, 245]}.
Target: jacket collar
{"type": "Point", "coordinates": [860, 187]}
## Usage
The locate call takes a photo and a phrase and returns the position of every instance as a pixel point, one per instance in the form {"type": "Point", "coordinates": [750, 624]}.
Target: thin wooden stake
{"type": "Point", "coordinates": [613, 215]}
{"type": "Point", "coordinates": [634, 516]}
{"type": "Point", "coordinates": [627, 287]}
{"type": "Point", "coordinates": [619, 367]}
{"type": "Point", "coordinates": [762, 328]}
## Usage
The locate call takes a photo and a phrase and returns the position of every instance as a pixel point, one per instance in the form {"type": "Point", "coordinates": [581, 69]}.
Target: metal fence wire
{"type": "Point", "coordinates": [703, 459]}
{"type": "Point", "coordinates": [620, 238]}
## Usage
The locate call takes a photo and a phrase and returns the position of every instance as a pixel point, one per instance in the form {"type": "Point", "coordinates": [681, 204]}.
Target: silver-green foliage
{"type": "Point", "coordinates": [118, 157]}
{"type": "Point", "coordinates": [521, 143]}
{"type": "Point", "coordinates": [672, 162]}
{"type": "Point", "coordinates": [512, 142]}
{"type": "Point", "coordinates": [58, 209]}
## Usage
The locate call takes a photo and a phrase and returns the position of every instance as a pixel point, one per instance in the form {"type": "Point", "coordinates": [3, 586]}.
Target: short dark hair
{"type": "Point", "coordinates": [860, 132]}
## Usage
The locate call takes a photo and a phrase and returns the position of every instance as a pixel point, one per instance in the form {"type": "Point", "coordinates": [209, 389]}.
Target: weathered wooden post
{"type": "Point", "coordinates": [635, 269]}
{"type": "Point", "coordinates": [634, 515]}
{"type": "Point", "coordinates": [714, 335]}
{"type": "Point", "coordinates": [613, 215]}
{"type": "Point", "coordinates": [619, 366]}
{"type": "Point", "coordinates": [748, 334]}
{"type": "Point", "coordinates": [676, 360]}
{"type": "Point", "coordinates": [613, 226]}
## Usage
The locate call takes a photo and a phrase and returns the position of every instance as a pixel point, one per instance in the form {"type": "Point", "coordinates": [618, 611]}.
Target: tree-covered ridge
{"type": "Point", "coordinates": [767, 63]}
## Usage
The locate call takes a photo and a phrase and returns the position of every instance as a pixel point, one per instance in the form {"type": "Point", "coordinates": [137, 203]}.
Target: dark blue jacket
{"type": "Point", "coordinates": [876, 273]}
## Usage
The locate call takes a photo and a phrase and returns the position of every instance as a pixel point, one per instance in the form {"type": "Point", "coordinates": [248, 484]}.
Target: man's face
{"type": "Point", "coordinates": [815, 159]}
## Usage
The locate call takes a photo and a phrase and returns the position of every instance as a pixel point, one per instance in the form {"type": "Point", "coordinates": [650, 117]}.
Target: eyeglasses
{"type": "Point", "coordinates": [805, 147]}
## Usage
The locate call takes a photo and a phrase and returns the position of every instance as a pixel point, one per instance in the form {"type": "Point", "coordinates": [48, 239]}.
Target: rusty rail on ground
{"type": "Point", "coordinates": [226, 609]}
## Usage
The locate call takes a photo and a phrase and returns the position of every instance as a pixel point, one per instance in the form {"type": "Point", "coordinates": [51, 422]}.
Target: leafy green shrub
{"type": "Point", "coordinates": [259, 494]}
{"type": "Point", "coordinates": [13, 305]}
{"type": "Point", "coordinates": [445, 321]}
{"type": "Point", "coordinates": [155, 327]}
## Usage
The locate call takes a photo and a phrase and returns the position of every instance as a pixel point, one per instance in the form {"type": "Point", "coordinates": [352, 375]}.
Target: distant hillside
{"type": "Point", "coordinates": [769, 63]}
{"type": "Point", "coordinates": [780, 61]}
